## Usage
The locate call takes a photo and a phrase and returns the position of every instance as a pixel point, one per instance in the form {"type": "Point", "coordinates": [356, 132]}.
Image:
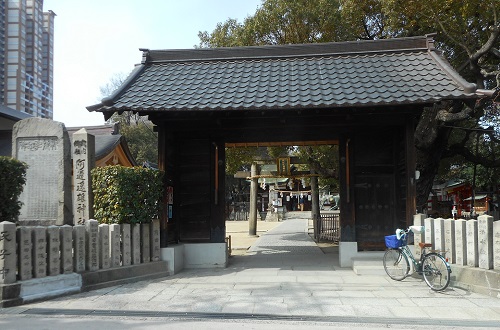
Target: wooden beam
{"type": "Point", "coordinates": [281, 144]}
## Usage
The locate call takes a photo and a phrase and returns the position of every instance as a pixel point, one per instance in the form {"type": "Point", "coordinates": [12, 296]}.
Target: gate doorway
{"type": "Point", "coordinates": [285, 184]}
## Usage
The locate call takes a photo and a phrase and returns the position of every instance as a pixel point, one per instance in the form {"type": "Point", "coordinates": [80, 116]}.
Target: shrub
{"type": "Point", "coordinates": [12, 180]}
{"type": "Point", "coordinates": [126, 194]}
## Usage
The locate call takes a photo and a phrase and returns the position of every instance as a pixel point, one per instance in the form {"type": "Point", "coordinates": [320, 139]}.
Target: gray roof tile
{"type": "Point", "coordinates": [329, 75]}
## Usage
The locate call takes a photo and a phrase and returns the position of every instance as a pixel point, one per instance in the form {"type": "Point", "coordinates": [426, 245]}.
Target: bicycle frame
{"type": "Point", "coordinates": [417, 265]}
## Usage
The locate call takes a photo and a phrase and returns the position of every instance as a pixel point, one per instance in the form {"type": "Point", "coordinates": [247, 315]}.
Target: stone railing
{"type": "Point", "coordinates": [473, 243]}
{"type": "Point", "coordinates": [37, 252]}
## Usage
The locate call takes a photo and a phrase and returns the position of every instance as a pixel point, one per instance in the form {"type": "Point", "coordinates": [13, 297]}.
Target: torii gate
{"type": "Point", "coordinates": [283, 166]}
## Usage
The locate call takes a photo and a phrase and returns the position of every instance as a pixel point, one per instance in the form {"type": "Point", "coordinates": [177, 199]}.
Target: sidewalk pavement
{"type": "Point", "coordinates": [283, 276]}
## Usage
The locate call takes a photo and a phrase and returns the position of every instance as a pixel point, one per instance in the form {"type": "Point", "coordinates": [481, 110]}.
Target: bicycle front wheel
{"type": "Point", "coordinates": [396, 264]}
{"type": "Point", "coordinates": [436, 271]}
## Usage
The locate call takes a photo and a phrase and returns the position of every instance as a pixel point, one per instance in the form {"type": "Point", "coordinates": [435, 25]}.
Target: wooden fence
{"type": "Point", "coordinates": [36, 252]}
{"type": "Point", "coordinates": [329, 227]}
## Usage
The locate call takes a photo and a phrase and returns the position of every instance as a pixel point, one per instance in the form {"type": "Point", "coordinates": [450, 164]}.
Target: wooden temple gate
{"type": "Point", "coordinates": [367, 95]}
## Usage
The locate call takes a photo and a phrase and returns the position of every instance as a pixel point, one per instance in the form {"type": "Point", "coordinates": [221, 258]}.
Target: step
{"type": "Point", "coordinates": [371, 266]}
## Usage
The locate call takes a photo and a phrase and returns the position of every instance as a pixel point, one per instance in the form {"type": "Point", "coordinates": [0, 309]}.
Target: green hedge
{"type": "Point", "coordinates": [126, 194]}
{"type": "Point", "coordinates": [12, 180]}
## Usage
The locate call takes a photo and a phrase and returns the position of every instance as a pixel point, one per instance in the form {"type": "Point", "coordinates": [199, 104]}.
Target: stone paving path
{"type": "Point", "coordinates": [289, 238]}
{"type": "Point", "coordinates": [285, 275]}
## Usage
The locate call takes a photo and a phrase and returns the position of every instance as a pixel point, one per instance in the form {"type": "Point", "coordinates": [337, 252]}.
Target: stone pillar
{"type": "Point", "coordinates": [79, 248]}
{"type": "Point", "coordinates": [92, 253]}
{"type": "Point", "coordinates": [39, 241]}
{"type": "Point", "coordinates": [472, 253]}
{"type": "Point", "coordinates": [136, 244]}
{"type": "Point", "coordinates": [438, 242]}
{"type": "Point", "coordinates": [25, 253]}
{"type": "Point", "coordinates": [485, 241]}
{"type": "Point", "coordinates": [126, 242]}
{"type": "Point", "coordinates": [429, 230]}
{"type": "Point", "coordinates": [7, 252]}
{"type": "Point", "coordinates": [449, 239]}
{"type": "Point", "coordinates": [418, 220]}
{"type": "Point", "coordinates": [66, 237]}
{"type": "Point", "coordinates": [496, 245]}
{"type": "Point", "coordinates": [53, 251]}
{"type": "Point", "coordinates": [252, 218]}
{"type": "Point", "coordinates": [83, 163]}
{"type": "Point", "coordinates": [461, 242]}
{"type": "Point", "coordinates": [155, 240]}
{"type": "Point", "coordinates": [114, 244]}
{"type": "Point", "coordinates": [104, 247]}
{"type": "Point", "coordinates": [44, 145]}
{"type": "Point", "coordinates": [146, 243]}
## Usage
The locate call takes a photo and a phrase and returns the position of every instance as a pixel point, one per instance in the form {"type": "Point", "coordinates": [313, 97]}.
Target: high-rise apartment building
{"type": "Point", "coordinates": [26, 57]}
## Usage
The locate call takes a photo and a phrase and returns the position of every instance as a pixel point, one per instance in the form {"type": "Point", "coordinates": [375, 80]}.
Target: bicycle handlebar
{"type": "Point", "coordinates": [401, 233]}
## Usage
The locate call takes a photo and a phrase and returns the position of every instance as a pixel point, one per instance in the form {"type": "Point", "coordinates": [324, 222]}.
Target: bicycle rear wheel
{"type": "Point", "coordinates": [396, 264]}
{"type": "Point", "coordinates": [436, 271]}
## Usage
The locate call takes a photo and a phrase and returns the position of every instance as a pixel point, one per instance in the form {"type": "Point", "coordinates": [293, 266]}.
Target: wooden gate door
{"type": "Point", "coordinates": [374, 209]}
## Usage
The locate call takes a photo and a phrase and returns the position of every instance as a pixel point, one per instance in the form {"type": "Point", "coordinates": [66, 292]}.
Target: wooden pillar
{"type": "Point", "coordinates": [347, 212]}
{"type": "Point", "coordinates": [315, 209]}
{"type": "Point", "coordinates": [252, 218]}
{"type": "Point", "coordinates": [163, 167]}
{"type": "Point", "coordinates": [217, 215]}
{"type": "Point", "coordinates": [411, 193]}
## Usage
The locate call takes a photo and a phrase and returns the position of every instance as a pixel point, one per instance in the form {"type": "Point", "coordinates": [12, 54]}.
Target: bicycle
{"type": "Point", "coordinates": [433, 266]}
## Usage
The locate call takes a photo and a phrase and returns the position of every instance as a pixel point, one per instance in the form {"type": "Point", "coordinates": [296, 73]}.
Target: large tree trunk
{"type": "Point", "coordinates": [430, 141]}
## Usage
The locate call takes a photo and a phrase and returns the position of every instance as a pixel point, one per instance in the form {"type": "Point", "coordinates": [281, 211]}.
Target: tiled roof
{"type": "Point", "coordinates": [349, 74]}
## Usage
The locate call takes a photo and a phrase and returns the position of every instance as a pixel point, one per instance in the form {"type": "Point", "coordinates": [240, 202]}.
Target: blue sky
{"type": "Point", "coordinates": [97, 39]}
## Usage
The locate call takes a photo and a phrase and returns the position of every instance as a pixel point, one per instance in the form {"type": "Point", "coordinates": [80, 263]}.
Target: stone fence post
{"type": "Point", "coordinates": [461, 242]}
{"type": "Point", "coordinates": [7, 252]}
{"type": "Point", "coordinates": [25, 253]}
{"type": "Point", "coordinates": [92, 252]}
{"type": "Point", "coordinates": [485, 241]}
{"type": "Point", "coordinates": [496, 244]}
{"type": "Point", "coordinates": [472, 255]}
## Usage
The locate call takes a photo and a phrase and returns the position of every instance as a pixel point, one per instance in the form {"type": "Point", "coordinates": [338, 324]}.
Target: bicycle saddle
{"type": "Point", "coordinates": [424, 245]}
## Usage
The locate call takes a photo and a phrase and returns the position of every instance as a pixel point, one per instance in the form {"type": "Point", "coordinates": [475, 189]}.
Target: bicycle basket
{"type": "Point", "coordinates": [393, 242]}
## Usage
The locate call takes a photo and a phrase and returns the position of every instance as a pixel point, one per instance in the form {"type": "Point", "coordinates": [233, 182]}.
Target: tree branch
{"type": "Point", "coordinates": [458, 149]}
{"type": "Point", "coordinates": [488, 45]}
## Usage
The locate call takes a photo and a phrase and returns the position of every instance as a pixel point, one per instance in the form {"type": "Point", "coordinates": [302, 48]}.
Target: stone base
{"type": "Point", "coordinates": [38, 289]}
{"type": "Point", "coordinates": [195, 255]}
{"type": "Point", "coordinates": [475, 279]}
{"type": "Point", "coordinates": [9, 295]}
{"type": "Point", "coordinates": [50, 286]}
{"type": "Point", "coordinates": [347, 251]}
{"type": "Point", "coordinates": [115, 276]}
{"type": "Point", "coordinates": [174, 256]}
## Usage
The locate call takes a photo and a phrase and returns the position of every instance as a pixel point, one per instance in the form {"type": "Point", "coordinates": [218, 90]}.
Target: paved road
{"type": "Point", "coordinates": [284, 281]}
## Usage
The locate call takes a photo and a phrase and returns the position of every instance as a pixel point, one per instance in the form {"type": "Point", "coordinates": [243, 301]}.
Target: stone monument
{"type": "Point", "coordinates": [44, 145]}
{"type": "Point", "coordinates": [83, 163]}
